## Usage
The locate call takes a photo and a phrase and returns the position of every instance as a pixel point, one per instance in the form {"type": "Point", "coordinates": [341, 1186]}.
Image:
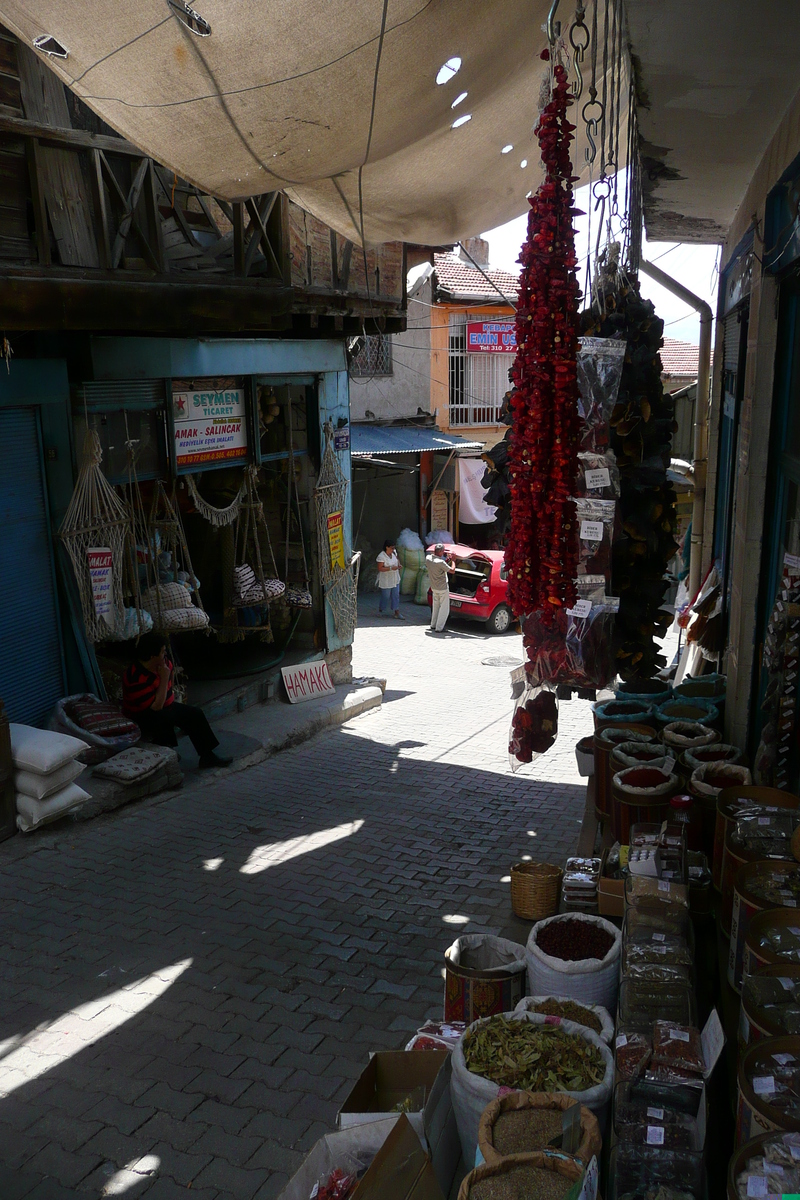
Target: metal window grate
{"type": "Point", "coordinates": [374, 356]}
{"type": "Point", "coordinates": [478, 382]}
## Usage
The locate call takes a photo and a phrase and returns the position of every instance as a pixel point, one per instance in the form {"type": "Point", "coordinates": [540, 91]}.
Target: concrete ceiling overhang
{"type": "Point", "coordinates": [713, 81]}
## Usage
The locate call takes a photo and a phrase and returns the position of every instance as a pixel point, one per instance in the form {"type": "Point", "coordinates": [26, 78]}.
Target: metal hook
{"type": "Point", "coordinates": [551, 16]}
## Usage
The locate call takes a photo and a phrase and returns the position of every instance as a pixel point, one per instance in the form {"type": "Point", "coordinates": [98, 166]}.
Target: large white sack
{"type": "Point", "coordinates": [471, 1093]}
{"type": "Point", "coordinates": [31, 783]}
{"type": "Point", "coordinates": [42, 750]}
{"type": "Point", "coordinates": [32, 813]}
{"type": "Point", "coordinates": [591, 980]}
{"type": "Point", "coordinates": [528, 1003]}
{"type": "Point", "coordinates": [409, 540]}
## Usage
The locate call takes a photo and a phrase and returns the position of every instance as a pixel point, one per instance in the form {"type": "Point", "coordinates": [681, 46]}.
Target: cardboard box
{"type": "Point", "coordinates": [401, 1170]}
{"type": "Point", "coordinates": [392, 1078]}
{"type": "Point", "coordinates": [331, 1151]}
{"type": "Point", "coordinates": [610, 893]}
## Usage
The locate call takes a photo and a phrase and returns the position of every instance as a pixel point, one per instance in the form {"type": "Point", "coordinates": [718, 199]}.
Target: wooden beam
{"type": "Point", "coordinates": [344, 272]}
{"type": "Point", "coordinates": [154, 217]}
{"type": "Point", "coordinates": [39, 207]}
{"type": "Point", "coordinates": [101, 210]}
{"type": "Point", "coordinates": [238, 238]}
{"type": "Point", "coordinates": [49, 135]}
{"type": "Point", "coordinates": [259, 210]}
{"type": "Point", "coordinates": [176, 210]}
{"type": "Point", "coordinates": [334, 261]}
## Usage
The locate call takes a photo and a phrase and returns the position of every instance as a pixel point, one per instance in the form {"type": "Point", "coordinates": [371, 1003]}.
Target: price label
{"type": "Point", "coordinates": [598, 478]}
{"type": "Point", "coordinates": [765, 820]}
{"type": "Point", "coordinates": [669, 765]}
{"type": "Point", "coordinates": [678, 1035]}
{"type": "Point", "coordinates": [591, 531]}
{"type": "Point", "coordinates": [763, 1085]}
{"type": "Point", "coordinates": [580, 609]}
{"type": "Point", "coordinates": [663, 886]}
{"type": "Point", "coordinates": [783, 1059]}
{"type": "Point", "coordinates": [655, 1135]}
{"type": "Point", "coordinates": [621, 1041]}
{"type": "Point", "coordinates": [786, 983]}
{"type": "Point", "coordinates": [655, 1114]}
{"type": "Point", "coordinates": [659, 937]}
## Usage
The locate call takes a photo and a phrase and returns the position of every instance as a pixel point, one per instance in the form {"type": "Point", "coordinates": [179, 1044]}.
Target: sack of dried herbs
{"type": "Point", "coordinates": [539, 1176]}
{"type": "Point", "coordinates": [522, 1122]}
{"type": "Point", "coordinates": [563, 1008]}
{"type": "Point", "coordinates": [522, 1052]}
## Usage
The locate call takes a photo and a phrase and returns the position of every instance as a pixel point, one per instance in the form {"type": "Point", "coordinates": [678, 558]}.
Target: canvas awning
{"type": "Point", "coordinates": [337, 104]}
{"type": "Point", "coordinates": [367, 440]}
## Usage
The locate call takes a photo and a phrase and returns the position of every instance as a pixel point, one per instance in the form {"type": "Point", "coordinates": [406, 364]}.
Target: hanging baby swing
{"type": "Point", "coordinates": [295, 595]}
{"type": "Point", "coordinates": [173, 597]}
{"type": "Point", "coordinates": [96, 532]}
{"type": "Point", "coordinates": [338, 579]}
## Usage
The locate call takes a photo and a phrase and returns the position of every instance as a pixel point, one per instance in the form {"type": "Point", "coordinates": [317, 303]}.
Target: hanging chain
{"type": "Point", "coordinates": [592, 104]}
{"type": "Point", "coordinates": [578, 32]}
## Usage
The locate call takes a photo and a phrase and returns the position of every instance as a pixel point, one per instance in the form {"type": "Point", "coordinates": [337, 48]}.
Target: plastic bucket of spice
{"type": "Point", "coordinates": [640, 794]}
{"type": "Point", "coordinates": [483, 975]}
{"type": "Point", "coordinates": [700, 710]}
{"type": "Point", "coordinates": [710, 686]}
{"type": "Point", "coordinates": [495, 1055]}
{"type": "Point", "coordinates": [683, 735]}
{"type": "Point", "coordinates": [761, 1069]}
{"type": "Point", "coordinates": [623, 712]}
{"type": "Point", "coordinates": [740, 1170]}
{"type": "Point", "coordinates": [759, 886]}
{"type": "Point", "coordinates": [634, 754]}
{"type": "Point", "coordinates": [604, 742]}
{"type": "Point", "coordinates": [706, 783]}
{"type": "Point", "coordinates": [734, 802]}
{"type": "Point", "coordinates": [575, 955]}
{"type": "Point", "coordinates": [562, 1008]}
{"type": "Point", "coordinates": [524, 1122]}
{"type": "Point", "coordinates": [646, 691]}
{"type": "Point", "coordinates": [770, 1004]}
{"type": "Point", "coordinates": [739, 851]}
{"type": "Point", "coordinates": [544, 1175]}
{"type": "Point", "coordinates": [773, 938]}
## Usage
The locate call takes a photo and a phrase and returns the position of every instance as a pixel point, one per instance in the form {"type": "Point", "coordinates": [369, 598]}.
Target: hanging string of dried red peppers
{"type": "Point", "coordinates": [542, 550]}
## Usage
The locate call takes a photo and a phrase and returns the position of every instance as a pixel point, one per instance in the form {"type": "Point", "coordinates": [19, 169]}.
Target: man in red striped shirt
{"type": "Point", "coordinates": [148, 699]}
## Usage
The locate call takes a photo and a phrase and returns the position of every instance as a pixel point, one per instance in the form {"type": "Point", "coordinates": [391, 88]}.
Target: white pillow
{"type": "Point", "coordinates": [176, 619]}
{"type": "Point", "coordinates": [42, 750]}
{"type": "Point", "coordinates": [166, 597]}
{"type": "Point", "coordinates": [30, 783]}
{"type": "Point", "coordinates": [31, 813]}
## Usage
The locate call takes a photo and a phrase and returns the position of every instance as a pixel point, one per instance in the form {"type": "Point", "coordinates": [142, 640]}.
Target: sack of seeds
{"type": "Point", "coordinates": [540, 1176]}
{"type": "Point", "coordinates": [575, 955]}
{"type": "Point", "coordinates": [523, 1122]}
{"type": "Point", "coordinates": [563, 1008]}
{"type": "Point", "coordinates": [521, 1052]}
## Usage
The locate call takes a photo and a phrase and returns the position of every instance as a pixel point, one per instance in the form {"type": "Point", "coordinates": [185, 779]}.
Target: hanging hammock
{"type": "Point", "coordinates": [218, 517]}
{"type": "Point", "coordinates": [295, 595]}
{"type": "Point", "coordinates": [96, 531]}
{"type": "Point", "coordinates": [173, 597]}
{"type": "Point", "coordinates": [338, 579]}
{"type": "Point", "coordinates": [249, 589]}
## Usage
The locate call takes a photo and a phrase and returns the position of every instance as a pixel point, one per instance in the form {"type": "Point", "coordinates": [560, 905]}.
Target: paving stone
{"type": "Point", "coordinates": [232, 1181]}
{"type": "Point", "coordinates": [67, 1168]}
{"type": "Point", "coordinates": [234, 1148]}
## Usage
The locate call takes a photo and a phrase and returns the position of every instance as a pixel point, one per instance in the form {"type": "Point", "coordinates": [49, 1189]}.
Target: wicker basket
{"type": "Point", "coordinates": [534, 890]}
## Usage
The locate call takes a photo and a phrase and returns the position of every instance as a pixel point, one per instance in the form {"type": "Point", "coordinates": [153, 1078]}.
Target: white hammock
{"type": "Point", "coordinates": [95, 532]}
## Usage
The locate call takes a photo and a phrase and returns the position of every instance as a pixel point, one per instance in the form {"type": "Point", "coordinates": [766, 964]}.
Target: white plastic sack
{"type": "Point", "coordinates": [39, 787]}
{"type": "Point", "coordinates": [409, 540]}
{"type": "Point", "coordinates": [42, 750]}
{"type": "Point", "coordinates": [471, 1093]}
{"type": "Point", "coordinates": [486, 953]}
{"type": "Point", "coordinates": [439, 535]}
{"type": "Point", "coordinates": [591, 979]}
{"type": "Point", "coordinates": [528, 1003]}
{"type": "Point", "coordinates": [32, 813]}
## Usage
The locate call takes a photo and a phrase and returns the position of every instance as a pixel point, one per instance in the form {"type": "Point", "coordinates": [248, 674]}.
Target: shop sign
{"type": "Point", "coordinates": [210, 427]}
{"type": "Point", "coordinates": [101, 573]}
{"type": "Point", "coordinates": [341, 438]}
{"type": "Point", "coordinates": [307, 680]}
{"type": "Point", "coordinates": [336, 538]}
{"type": "Point", "coordinates": [440, 510]}
{"type": "Point", "coordinates": [491, 337]}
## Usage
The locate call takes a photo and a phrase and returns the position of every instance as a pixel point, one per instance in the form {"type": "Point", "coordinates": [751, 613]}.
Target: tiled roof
{"type": "Point", "coordinates": [461, 279]}
{"type": "Point", "coordinates": [679, 358]}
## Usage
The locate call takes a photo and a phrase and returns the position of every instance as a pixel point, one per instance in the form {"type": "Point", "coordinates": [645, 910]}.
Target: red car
{"type": "Point", "coordinates": [478, 587]}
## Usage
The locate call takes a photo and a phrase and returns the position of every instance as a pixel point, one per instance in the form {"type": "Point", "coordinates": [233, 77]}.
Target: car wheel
{"type": "Point", "coordinates": [500, 620]}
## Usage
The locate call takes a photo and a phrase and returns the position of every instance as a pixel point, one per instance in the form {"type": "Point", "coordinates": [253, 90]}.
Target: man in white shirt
{"type": "Point", "coordinates": [439, 566]}
{"type": "Point", "coordinates": [389, 581]}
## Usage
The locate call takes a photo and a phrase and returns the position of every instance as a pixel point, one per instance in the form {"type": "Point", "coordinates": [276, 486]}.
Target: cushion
{"type": "Point", "coordinates": [255, 594]}
{"type": "Point", "coordinates": [131, 766]}
{"type": "Point", "coordinates": [298, 597]}
{"type": "Point", "coordinates": [32, 813]}
{"type": "Point", "coordinates": [106, 720]}
{"type": "Point", "coordinates": [174, 620]}
{"type": "Point", "coordinates": [243, 578]}
{"type": "Point", "coordinates": [41, 786]}
{"type": "Point", "coordinates": [42, 750]}
{"type": "Point", "coordinates": [172, 595]}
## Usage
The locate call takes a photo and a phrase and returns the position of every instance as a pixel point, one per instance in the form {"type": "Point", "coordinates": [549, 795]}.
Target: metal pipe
{"type": "Point", "coordinates": [700, 463]}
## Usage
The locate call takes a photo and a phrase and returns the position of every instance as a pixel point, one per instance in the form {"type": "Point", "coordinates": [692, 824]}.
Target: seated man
{"type": "Point", "coordinates": [147, 698]}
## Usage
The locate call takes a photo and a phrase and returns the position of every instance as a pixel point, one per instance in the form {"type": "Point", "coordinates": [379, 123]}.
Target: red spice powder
{"type": "Point", "coordinates": [572, 940]}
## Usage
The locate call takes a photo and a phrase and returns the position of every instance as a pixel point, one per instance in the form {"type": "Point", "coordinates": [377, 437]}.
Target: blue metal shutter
{"type": "Point", "coordinates": [31, 675]}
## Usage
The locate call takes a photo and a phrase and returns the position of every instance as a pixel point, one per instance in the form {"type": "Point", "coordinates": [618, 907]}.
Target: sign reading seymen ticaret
{"type": "Point", "coordinates": [491, 337]}
{"type": "Point", "coordinates": [210, 427]}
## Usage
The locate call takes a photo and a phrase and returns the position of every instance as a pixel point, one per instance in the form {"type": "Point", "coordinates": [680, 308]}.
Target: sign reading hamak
{"type": "Point", "coordinates": [307, 680]}
{"type": "Point", "coordinates": [209, 427]}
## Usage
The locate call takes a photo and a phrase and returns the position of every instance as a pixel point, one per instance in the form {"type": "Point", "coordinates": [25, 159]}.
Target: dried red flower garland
{"type": "Point", "coordinates": [542, 550]}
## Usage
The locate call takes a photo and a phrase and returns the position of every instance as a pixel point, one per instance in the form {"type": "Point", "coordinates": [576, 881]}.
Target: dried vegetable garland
{"type": "Point", "coordinates": [542, 553]}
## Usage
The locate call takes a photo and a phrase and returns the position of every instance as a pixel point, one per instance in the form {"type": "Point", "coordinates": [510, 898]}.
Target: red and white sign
{"type": "Point", "coordinates": [101, 564]}
{"type": "Point", "coordinates": [491, 337]}
{"type": "Point", "coordinates": [307, 680]}
{"type": "Point", "coordinates": [210, 427]}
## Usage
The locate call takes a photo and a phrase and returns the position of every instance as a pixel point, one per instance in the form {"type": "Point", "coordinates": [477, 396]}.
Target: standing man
{"type": "Point", "coordinates": [439, 565]}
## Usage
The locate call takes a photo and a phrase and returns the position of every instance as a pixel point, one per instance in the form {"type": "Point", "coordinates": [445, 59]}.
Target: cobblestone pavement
{"type": "Point", "coordinates": [188, 987]}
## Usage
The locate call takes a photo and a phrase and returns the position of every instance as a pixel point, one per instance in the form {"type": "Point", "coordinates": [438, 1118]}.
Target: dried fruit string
{"type": "Point", "coordinates": [542, 551]}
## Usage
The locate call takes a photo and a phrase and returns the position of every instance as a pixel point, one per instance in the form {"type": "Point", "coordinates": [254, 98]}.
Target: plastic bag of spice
{"type": "Point", "coordinates": [598, 476]}
{"type": "Point", "coordinates": [678, 1047]}
{"type": "Point", "coordinates": [534, 726]}
{"type": "Point", "coordinates": [595, 534]}
{"type": "Point", "coordinates": [600, 362]}
{"type": "Point", "coordinates": [632, 1051]}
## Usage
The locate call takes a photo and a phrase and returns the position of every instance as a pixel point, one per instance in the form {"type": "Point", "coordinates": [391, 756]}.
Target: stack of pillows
{"type": "Point", "coordinates": [45, 770]}
{"type": "Point", "coordinates": [170, 606]}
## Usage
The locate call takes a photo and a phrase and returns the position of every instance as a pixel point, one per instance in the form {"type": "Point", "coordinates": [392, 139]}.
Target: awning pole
{"type": "Point", "coordinates": [700, 463]}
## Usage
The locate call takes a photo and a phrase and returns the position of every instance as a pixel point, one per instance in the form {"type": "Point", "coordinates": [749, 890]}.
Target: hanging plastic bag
{"type": "Point", "coordinates": [595, 532]}
{"type": "Point", "coordinates": [590, 655]}
{"type": "Point", "coordinates": [534, 726]}
{"type": "Point", "coordinates": [573, 646]}
{"type": "Point", "coordinates": [600, 363]}
{"type": "Point", "coordinates": [598, 476]}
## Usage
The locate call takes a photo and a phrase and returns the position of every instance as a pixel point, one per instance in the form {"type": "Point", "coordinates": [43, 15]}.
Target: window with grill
{"type": "Point", "coordinates": [478, 382]}
{"type": "Point", "coordinates": [374, 357]}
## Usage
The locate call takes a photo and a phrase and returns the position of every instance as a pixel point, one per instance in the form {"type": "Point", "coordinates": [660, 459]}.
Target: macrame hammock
{"type": "Point", "coordinates": [96, 532]}
{"type": "Point", "coordinates": [338, 578]}
{"type": "Point", "coordinates": [173, 595]}
{"type": "Point", "coordinates": [295, 595]}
